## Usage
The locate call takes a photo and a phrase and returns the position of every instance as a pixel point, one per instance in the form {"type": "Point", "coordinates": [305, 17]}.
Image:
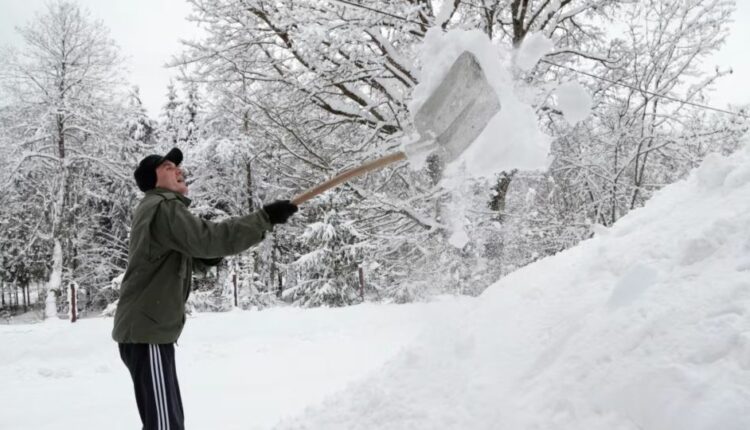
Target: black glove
{"type": "Point", "coordinates": [280, 211]}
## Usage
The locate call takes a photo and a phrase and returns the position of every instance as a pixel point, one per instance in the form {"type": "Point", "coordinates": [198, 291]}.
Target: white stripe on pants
{"type": "Point", "coordinates": [160, 395]}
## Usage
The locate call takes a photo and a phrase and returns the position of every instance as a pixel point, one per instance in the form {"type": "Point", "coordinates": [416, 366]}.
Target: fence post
{"type": "Point", "coordinates": [72, 301]}
{"type": "Point", "coordinates": [234, 281]}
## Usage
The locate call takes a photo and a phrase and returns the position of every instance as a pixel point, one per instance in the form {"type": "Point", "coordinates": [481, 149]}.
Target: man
{"type": "Point", "coordinates": [166, 243]}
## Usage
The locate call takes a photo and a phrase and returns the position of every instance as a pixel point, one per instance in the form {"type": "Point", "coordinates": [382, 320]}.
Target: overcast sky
{"type": "Point", "coordinates": [148, 32]}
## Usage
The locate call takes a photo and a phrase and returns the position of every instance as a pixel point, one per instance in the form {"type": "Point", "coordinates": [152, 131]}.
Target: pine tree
{"type": "Point", "coordinates": [140, 128]}
{"type": "Point", "coordinates": [172, 116]}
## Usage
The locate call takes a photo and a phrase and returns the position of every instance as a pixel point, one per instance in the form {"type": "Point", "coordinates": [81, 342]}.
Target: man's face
{"type": "Point", "coordinates": [171, 177]}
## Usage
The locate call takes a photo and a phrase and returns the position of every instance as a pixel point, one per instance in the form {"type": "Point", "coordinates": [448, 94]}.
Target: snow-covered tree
{"type": "Point", "coordinates": [61, 87]}
{"type": "Point", "coordinates": [171, 123]}
{"type": "Point", "coordinates": [140, 127]}
{"type": "Point", "coordinates": [180, 117]}
{"type": "Point", "coordinates": [190, 121]}
{"type": "Point", "coordinates": [318, 87]}
{"type": "Point", "coordinates": [643, 133]}
{"type": "Point", "coordinates": [331, 251]}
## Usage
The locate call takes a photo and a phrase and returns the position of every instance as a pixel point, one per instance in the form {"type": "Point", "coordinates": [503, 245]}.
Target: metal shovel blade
{"type": "Point", "coordinates": [459, 109]}
{"type": "Point", "coordinates": [452, 117]}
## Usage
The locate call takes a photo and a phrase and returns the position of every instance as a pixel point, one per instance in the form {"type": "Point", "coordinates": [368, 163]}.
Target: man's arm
{"type": "Point", "coordinates": [177, 229]}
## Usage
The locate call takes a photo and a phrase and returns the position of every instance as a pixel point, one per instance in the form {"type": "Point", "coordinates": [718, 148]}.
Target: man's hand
{"type": "Point", "coordinates": [280, 211]}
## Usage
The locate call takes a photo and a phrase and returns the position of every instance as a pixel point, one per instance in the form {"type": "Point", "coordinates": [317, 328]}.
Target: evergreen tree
{"type": "Point", "coordinates": [172, 116]}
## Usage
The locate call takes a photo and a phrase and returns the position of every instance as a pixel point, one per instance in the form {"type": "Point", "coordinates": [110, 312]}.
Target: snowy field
{"type": "Point", "coordinates": [644, 327]}
{"type": "Point", "coordinates": [239, 370]}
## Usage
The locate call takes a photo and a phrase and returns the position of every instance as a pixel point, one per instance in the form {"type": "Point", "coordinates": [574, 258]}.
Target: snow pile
{"type": "Point", "coordinates": [573, 101]}
{"type": "Point", "coordinates": [512, 139]}
{"type": "Point", "coordinates": [645, 326]}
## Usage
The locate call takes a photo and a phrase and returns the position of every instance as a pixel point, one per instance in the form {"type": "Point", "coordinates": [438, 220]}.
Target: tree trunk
{"type": "Point", "coordinates": [73, 304]}
{"type": "Point", "coordinates": [234, 285]}
{"type": "Point", "coordinates": [272, 271]}
{"type": "Point", "coordinates": [249, 186]}
{"type": "Point", "coordinates": [497, 202]}
{"type": "Point", "coordinates": [55, 279]}
{"type": "Point", "coordinates": [2, 294]}
{"type": "Point", "coordinates": [58, 228]}
{"type": "Point", "coordinates": [361, 283]}
{"type": "Point", "coordinates": [11, 305]}
{"type": "Point", "coordinates": [518, 9]}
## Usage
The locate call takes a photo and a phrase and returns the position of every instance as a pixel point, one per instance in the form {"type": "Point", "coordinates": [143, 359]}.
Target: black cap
{"type": "Point", "coordinates": [145, 173]}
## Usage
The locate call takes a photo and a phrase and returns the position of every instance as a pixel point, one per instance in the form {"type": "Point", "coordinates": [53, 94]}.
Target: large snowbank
{"type": "Point", "coordinates": [645, 326]}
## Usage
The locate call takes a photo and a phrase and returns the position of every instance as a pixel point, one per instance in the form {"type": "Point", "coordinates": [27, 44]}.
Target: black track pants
{"type": "Point", "coordinates": [157, 392]}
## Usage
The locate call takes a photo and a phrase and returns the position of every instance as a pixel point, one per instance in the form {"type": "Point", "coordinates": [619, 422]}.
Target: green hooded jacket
{"type": "Point", "coordinates": [166, 242]}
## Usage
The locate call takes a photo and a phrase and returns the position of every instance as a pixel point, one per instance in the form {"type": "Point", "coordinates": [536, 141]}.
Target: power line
{"type": "Point", "coordinates": [361, 6]}
{"type": "Point", "coordinates": [663, 96]}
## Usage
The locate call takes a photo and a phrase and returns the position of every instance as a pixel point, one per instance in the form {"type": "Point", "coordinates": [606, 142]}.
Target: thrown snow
{"type": "Point", "coordinates": [574, 102]}
{"type": "Point", "coordinates": [445, 13]}
{"type": "Point", "coordinates": [512, 139]}
{"type": "Point", "coordinates": [638, 328]}
{"type": "Point", "coordinates": [533, 48]}
{"type": "Point", "coordinates": [459, 238]}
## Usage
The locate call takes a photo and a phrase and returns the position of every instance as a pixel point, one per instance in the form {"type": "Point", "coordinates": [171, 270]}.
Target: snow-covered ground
{"type": "Point", "coordinates": [238, 370]}
{"type": "Point", "coordinates": [646, 326]}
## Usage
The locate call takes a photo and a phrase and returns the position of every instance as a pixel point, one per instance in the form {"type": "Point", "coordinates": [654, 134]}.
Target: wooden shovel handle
{"type": "Point", "coordinates": [347, 175]}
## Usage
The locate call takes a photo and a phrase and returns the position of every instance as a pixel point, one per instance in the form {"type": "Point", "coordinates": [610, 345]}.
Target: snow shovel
{"type": "Point", "coordinates": [451, 118]}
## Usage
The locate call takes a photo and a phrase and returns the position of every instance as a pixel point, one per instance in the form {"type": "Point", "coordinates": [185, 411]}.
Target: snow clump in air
{"type": "Point", "coordinates": [533, 48]}
{"type": "Point", "coordinates": [573, 101]}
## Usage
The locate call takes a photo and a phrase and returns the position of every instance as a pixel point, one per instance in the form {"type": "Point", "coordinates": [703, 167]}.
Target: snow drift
{"type": "Point", "coordinates": [645, 326]}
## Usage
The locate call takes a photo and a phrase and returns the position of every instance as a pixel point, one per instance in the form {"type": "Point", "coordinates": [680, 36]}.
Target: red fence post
{"type": "Point", "coordinates": [234, 280]}
{"type": "Point", "coordinates": [73, 306]}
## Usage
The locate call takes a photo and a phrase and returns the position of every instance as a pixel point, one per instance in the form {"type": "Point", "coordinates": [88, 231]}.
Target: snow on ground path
{"type": "Point", "coordinates": [238, 370]}
{"type": "Point", "coordinates": [644, 327]}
